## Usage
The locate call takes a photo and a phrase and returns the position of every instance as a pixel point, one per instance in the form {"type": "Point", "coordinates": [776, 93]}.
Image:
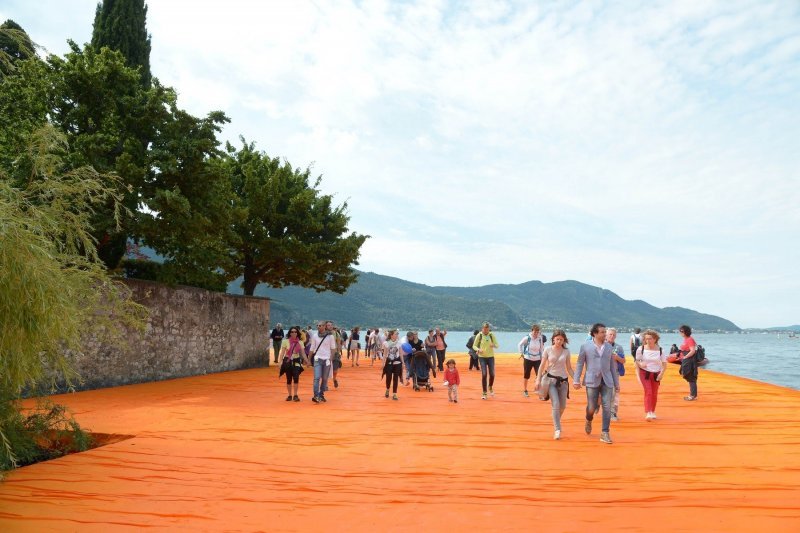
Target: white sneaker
{"type": "Point", "coordinates": [557, 435]}
{"type": "Point", "coordinates": [648, 416]}
{"type": "Point", "coordinates": [653, 415]}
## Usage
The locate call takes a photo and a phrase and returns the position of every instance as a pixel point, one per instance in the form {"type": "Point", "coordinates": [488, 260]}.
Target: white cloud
{"type": "Point", "coordinates": [647, 148]}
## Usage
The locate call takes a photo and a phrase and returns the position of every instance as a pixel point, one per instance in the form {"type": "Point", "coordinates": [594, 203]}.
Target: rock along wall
{"type": "Point", "coordinates": [190, 331]}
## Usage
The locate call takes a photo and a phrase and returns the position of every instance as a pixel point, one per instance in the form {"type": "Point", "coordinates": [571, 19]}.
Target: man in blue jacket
{"type": "Point", "coordinates": [601, 379]}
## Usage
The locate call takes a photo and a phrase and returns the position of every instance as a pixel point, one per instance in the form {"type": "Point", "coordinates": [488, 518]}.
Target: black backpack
{"type": "Point", "coordinates": [700, 354]}
{"type": "Point", "coordinates": [470, 342]}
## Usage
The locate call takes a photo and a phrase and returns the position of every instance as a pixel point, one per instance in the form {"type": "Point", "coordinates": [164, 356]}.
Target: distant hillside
{"type": "Point", "coordinates": [377, 300]}
{"type": "Point", "coordinates": [785, 328]}
{"type": "Point", "coordinates": [575, 302]}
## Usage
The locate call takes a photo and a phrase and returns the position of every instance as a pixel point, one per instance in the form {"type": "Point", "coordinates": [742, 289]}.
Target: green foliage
{"type": "Point", "coordinates": [15, 46]}
{"type": "Point", "coordinates": [383, 301]}
{"type": "Point", "coordinates": [43, 433]}
{"type": "Point", "coordinates": [121, 25]}
{"type": "Point", "coordinates": [377, 300]}
{"type": "Point", "coordinates": [188, 220]}
{"type": "Point", "coordinates": [287, 231]}
{"type": "Point", "coordinates": [54, 289]}
{"type": "Point", "coordinates": [141, 269]}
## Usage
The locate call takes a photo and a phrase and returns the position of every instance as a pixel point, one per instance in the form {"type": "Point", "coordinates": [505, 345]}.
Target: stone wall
{"type": "Point", "coordinates": [190, 331]}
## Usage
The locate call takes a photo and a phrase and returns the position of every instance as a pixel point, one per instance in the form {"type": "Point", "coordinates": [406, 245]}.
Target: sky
{"type": "Point", "coordinates": [649, 148]}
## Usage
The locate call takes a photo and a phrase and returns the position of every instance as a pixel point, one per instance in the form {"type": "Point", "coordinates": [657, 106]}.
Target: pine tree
{"type": "Point", "coordinates": [121, 25]}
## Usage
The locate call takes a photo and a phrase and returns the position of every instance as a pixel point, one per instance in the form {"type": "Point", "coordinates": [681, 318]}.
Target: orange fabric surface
{"type": "Point", "coordinates": [225, 452]}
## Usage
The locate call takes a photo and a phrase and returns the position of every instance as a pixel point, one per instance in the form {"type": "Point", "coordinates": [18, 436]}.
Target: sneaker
{"type": "Point", "coordinates": [295, 398]}
{"type": "Point", "coordinates": [322, 399]}
{"type": "Point", "coordinates": [335, 383]}
{"type": "Point", "coordinates": [315, 399]}
{"type": "Point", "coordinates": [491, 392]}
{"type": "Point", "coordinates": [605, 437]}
{"type": "Point", "coordinates": [614, 418]}
{"type": "Point", "coordinates": [387, 394]}
{"type": "Point", "coordinates": [557, 435]}
{"type": "Point", "coordinates": [587, 427]}
{"type": "Point", "coordinates": [647, 417]}
{"type": "Point", "coordinates": [483, 396]}
{"type": "Point", "coordinates": [525, 393]}
{"type": "Point", "coordinates": [690, 398]}
{"type": "Point", "coordinates": [289, 398]}
{"type": "Point", "coordinates": [394, 396]}
{"type": "Point", "coordinates": [653, 415]}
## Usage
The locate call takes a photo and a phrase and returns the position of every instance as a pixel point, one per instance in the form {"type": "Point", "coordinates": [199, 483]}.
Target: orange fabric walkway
{"type": "Point", "coordinates": [226, 452]}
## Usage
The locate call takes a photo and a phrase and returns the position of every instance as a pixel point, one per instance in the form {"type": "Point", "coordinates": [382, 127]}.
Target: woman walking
{"type": "Point", "coordinates": [485, 344]}
{"type": "Point", "coordinates": [530, 349]}
{"type": "Point", "coordinates": [689, 369]}
{"type": "Point", "coordinates": [294, 355]}
{"type": "Point", "coordinates": [557, 367]}
{"type": "Point", "coordinates": [651, 363]}
{"type": "Point", "coordinates": [354, 349]}
{"type": "Point", "coordinates": [393, 367]}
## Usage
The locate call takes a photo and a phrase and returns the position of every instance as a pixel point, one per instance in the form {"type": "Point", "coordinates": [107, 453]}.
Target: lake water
{"type": "Point", "coordinates": [770, 358]}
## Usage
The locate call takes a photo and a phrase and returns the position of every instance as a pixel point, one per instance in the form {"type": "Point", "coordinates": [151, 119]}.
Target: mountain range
{"type": "Point", "coordinates": [384, 301]}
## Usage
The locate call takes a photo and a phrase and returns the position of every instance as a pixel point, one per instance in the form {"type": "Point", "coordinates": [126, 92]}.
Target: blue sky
{"type": "Point", "coordinates": [649, 148]}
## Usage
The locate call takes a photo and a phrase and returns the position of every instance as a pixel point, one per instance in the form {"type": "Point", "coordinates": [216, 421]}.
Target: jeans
{"type": "Point", "coordinates": [558, 400]}
{"type": "Point", "coordinates": [322, 371]}
{"type": "Point", "coordinates": [606, 395]}
{"type": "Point", "coordinates": [487, 363]}
{"type": "Point", "coordinates": [693, 388]}
{"type": "Point", "coordinates": [407, 363]}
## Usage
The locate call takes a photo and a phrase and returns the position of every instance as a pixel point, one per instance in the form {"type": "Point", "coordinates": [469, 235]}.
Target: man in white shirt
{"type": "Point", "coordinates": [323, 344]}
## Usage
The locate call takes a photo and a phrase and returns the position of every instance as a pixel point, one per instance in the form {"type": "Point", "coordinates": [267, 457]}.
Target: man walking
{"type": "Point", "coordinates": [636, 341]}
{"type": "Point", "coordinates": [277, 339]}
{"type": "Point", "coordinates": [323, 345]}
{"type": "Point", "coordinates": [601, 379]}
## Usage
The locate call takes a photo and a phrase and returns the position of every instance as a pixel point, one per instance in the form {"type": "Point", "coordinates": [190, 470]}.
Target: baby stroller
{"type": "Point", "coordinates": [421, 367]}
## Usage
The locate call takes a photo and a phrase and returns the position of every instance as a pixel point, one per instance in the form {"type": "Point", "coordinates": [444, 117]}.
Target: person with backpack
{"type": "Point", "coordinates": [323, 346]}
{"type": "Point", "coordinates": [689, 362]}
{"type": "Point", "coordinates": [530, 349]}
{"type": "Point", "coordinates": [651, 363]}
{"type": "Point", "coordinates": [636, 341]}
{"type": "Point", "coordinates": [473, 355]}
{"type": "Point", "coordinates": [485, 345]}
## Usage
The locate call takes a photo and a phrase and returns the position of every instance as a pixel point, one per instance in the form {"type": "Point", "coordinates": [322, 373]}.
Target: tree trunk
{"type": "Point", "coordinates": [250, 278]}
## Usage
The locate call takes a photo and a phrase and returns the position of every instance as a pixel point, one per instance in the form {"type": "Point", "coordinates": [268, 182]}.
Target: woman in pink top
{"type": "Point", "coordinates": [452, 380]}
{"type": "Point", "coordinates": [651, 363]}
{"type": "Point", "coordinates": [689, 362]}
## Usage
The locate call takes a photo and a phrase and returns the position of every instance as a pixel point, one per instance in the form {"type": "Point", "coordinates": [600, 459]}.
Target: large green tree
{"type": "Point", "coordinates": [122, 25]}
{"type": "Point", "coordinates": [287, 231]}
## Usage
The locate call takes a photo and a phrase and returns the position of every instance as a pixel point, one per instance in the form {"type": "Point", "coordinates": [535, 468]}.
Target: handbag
{"type": "Point", "coordinates": [543, 389]}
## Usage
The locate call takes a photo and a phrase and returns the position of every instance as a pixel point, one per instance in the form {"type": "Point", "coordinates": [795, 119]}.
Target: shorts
{"type": "Point", "coordinates": [355, 345]}
{"type": "Point", "coordinates": [528, 365]}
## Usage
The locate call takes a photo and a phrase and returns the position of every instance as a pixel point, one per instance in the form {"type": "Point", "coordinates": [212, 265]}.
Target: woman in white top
{"type": "Point", "coordinates": [530, 349]}
{"type": "Point", "coordinates": [651, 363]}
{"type": "Point", "coordinates": [557, 365]}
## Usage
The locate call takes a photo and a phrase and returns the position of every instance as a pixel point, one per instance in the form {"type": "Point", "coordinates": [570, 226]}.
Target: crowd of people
{"type": "Point", "coordinates": [601, 361]}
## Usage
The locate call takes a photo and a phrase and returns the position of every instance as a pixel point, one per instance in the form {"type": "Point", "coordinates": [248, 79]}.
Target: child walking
{"type": "Point", "coordinates": [452, 380]}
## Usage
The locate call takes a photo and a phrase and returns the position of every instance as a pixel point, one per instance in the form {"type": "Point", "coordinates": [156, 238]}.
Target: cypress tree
{"type": "Point", "coordinates": [15, 46]}
{"type": "Point", "coordinates": [121, 25]}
